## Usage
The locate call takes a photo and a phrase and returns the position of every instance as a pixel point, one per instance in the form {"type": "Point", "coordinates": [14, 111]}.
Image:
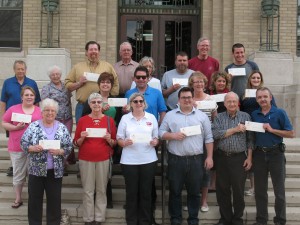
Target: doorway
{"type": "Point", "coordinates": [161, 37]}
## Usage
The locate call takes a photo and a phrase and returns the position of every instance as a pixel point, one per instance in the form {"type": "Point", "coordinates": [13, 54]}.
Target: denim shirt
{"type": "Point", "coordinates": [38, 161]}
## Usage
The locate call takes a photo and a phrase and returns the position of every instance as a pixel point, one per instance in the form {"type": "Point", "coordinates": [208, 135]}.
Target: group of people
{"type": "Point", "coordinates": [203, 114]}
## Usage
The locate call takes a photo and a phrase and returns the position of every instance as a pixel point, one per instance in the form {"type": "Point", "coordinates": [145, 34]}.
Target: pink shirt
{"type": "Point", "coordinates": [16, 135]}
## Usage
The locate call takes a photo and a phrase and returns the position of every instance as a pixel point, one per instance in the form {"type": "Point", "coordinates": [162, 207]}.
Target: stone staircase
{"type": "Point", "coordinates": [71, 194]}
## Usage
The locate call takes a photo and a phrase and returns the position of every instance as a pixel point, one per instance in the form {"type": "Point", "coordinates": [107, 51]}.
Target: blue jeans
{"type": "Point", "coordinates": [263, 163]}
{"type": "Point", "coordinates": [78, 111]}
{"type": "Point", "coordinates": [188, 171]}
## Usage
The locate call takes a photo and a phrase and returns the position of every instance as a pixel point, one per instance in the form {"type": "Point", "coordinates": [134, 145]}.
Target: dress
{"type": "Point", "coordinates": [167, 82]}
{"type": "Point", "coordinates": [207, 66]}
{"type": "Point", "coordinates": [269, 157]}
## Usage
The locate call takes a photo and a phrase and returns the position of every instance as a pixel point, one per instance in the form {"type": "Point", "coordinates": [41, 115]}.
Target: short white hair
{"type": "Point", "coordinates": [94, 96]}
{"type": "Point", "coordinates": [53, 68]}
{"type": "Point", "coordinates": [48, 102]}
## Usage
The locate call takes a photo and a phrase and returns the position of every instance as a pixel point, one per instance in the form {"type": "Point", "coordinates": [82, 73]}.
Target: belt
{"type": "Point", "coordinates": [230, 154]}
{"type": "Point", "coordinates": [268, 149]}
{"type": "Point", "coordinates": [185, 156]}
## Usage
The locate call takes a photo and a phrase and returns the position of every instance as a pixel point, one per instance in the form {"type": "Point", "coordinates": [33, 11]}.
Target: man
{"type": "Point", "coordinates": [11, 91]}
{"type": "Point", "coordinates": [169, 89]}
{"type": "Point", "coordinates": [185, 155]}
{"type": "Point", "coordinates": [269, 157]}
{"type": "Point", "coordinates": [234, 159]}
{"type": "Point", "coordinates": [154, 98]}
{"type": "Point", "coordinates": [203, 62]}
{"type": "Point", "coordinates": [239, 83]}
{"type": "Point", "coordinates": [77, 81]}
{"type": "Point", "coordinates": [125, 68]}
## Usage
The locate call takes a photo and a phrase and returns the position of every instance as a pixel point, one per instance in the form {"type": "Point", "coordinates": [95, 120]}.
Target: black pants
{"type": "Point", "coordinates": [231, 176]}
{"type": "Point", "coordinates": [52, 187]}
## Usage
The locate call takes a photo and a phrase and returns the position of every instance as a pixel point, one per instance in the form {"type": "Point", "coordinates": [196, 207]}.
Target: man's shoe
{"type": "Point", "coordinates": [9, 172]}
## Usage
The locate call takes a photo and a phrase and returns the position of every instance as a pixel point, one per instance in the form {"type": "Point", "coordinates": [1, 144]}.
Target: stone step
{"type": "Point", "coordinates": [117, 215]}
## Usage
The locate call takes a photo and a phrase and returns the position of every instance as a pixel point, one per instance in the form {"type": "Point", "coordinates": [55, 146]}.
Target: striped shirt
{"type": "Point", "coordinates": [238, 142]}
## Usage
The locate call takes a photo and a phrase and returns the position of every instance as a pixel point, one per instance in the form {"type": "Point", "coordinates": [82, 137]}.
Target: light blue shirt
{"type": "Point", "coordinates": [190, 145]}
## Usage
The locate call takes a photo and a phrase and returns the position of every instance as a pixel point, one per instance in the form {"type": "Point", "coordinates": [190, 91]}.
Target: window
{"type": "Point", "coordinates": [10, 24]}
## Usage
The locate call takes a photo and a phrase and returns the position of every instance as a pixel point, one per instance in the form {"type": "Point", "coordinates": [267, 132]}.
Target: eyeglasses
{"type": "Point", "coordinates": [138, 101]}
{"type": "Point", "coordinates": [105, 82]}
{"type": "Point", "coordinates": [98, 102]}
{"type": "Point", "coordinates": [186, 97]}
{"type": "Point", "coordinates": [49, 111]}
{"type": "Point", "coordinates": [139, 77]}
{"type": "Point", "coordinates": [198, 82]}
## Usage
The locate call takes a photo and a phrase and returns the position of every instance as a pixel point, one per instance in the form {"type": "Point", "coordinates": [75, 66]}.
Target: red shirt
{"type": "Point", "coordinates": [206, 66]}
{"type": "Point", "coordinates": [94, 149]}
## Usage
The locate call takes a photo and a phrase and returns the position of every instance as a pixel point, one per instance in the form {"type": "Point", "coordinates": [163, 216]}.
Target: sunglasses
{"type": "Point", "coordinates": [139, 77]}
{"type": "Point", "coordinates": [138, 101]}
{"type": "Point", "coordinates": [98, 102]}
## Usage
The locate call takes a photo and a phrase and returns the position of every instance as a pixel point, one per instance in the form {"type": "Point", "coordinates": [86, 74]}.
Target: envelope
{"type": "Point", "coordinates": [250, 93]}
{"type": "Point", "coordinates": [96, 132]}
{"type": "Point", "coordinates": [91, 76]}
{"type": "Point", "coordinates": [19, 117]}
{"type": "Point", "coordinates": [50, 144]}
{"type": "Point", "coordinates": [191, 130]}
{"type": "Point", "coordinates": [218, 97]}
{"type": "Point", "coordinates": [181, 81]}
{"type": "Point", "coordinates": [117, 102]}
{"type": "Point", "coordinates": [254, 126]}
{"type": "Point", "coordinates": [237, 71]}
{"type": "Point", "coordinates": [207, 104]}
{"type": "Point", "coordinates": [141, 137]}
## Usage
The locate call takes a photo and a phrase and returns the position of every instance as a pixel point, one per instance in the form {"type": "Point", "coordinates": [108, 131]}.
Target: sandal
{"type": "Point", "coordinates": [16, 205]}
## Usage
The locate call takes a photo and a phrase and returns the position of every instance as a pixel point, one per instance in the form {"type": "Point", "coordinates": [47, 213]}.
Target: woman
{"type": "Point", "coordinates": [105, 82]}
{"type": "Point", "coordinates": [56, 90]}
{"type": "Point", "coordinates": [248, 105]}
{"type": "Point", "coordinates": [46, 164]}
{"type": "Point", "coordinates": [94, 156]}
{"type": "Point", "coordinates": [138, 160]}
{"type": "Point", "coordinates": [16, 130]}
{"type": "Point", "coordinates": [148, 62]}
{"type": "Point", "coordinates": [198, 82]}
{"type": "Point", "coordinates": [220, 84]}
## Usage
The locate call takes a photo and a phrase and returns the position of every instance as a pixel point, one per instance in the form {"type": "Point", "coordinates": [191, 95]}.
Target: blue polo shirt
{"type": "Point", "coordinates": [154, 98]}
{"type": "Point", "coordinates": [11, 91]}
{"type": "Point", "coordinates": [278, 119]}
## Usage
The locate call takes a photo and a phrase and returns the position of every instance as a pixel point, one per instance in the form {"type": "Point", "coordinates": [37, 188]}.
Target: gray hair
{"type": "Point", "coordinates": [146, 59]}
{"type": "Point", "coordinates": [48, 102]}
{"type": "Point", "coordinates": [125, 43]}
{"type": "Point", "coordinates": [232, 93]}
{"type": "Point", "coordinates": [203, 39]}
{"type": "Point", "coordinates": [93, 96]}
{"type": "Point", "coordinates": [20, 62]}
{"type": "Point", "coordinates": [135, 95]}
{"type": "Point", "coordinates": [53, 68]}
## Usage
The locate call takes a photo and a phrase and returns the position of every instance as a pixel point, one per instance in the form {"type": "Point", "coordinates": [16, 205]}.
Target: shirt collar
{"type": "Point", "coordinates": [178, 110]}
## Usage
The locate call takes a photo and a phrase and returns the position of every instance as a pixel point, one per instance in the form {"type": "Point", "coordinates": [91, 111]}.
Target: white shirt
{"type": "Point", "coordinates": [138, 153]}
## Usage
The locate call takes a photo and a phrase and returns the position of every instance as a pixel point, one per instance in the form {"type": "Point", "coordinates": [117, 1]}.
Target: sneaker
{"type": "Point", "coordinates": [185, 208]}
{"type": "Point", "coordinates": [250, 192]}
{"type": "Point", "coordinates": [9, 172]}
{"type": "Point", "coordinates": [204, 208]}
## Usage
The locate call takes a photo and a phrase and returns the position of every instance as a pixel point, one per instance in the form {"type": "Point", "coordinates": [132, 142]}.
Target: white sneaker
{"type": "Point", "coordinates": [204, 208]}
{"type": "Point", "coordinates": [250, 192]}
{"type": "Point", "coordinates": [185, 208]}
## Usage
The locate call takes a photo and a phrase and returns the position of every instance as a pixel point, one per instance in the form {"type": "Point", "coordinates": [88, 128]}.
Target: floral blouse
{"type": "Point", "coordinates": [38, 161]}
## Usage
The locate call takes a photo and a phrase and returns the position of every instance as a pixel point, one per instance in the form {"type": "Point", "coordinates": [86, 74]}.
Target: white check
{"type": "Point", "coordinates": [181, 81]}
{"type": "Point", "coordinates": [207, 104]}
{"type": "Point", "coordinates": [50, 144]}
{"type": "Point", "coordinates": [237, 71]}
{"type": "Point", "coordinates": [117, 102]}
{"type": "Point", "coordinates": [91, 76]}
{"type": "Point", "coordinates": [19, 117]}
{"type": "Point", "coordinates": [96, 132]}
{"type": "Point", "coordinates": [218, 97]}
{"type": "Point", "coordinates": [254, 126]}
{"type": "Point", "coordinates": [192, 130]}
{"type": "Point", "coordinates": [250, 93]}
{"type": "Point", "coordinates": [141, 137]}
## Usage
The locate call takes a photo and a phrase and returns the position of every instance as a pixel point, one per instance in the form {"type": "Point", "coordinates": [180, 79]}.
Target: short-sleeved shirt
{"type": "Point", "coordinates": [206, 66]}
{"type": "Point", "coordinates": [11, 91]}
{"type": "Point", "coordinates": [239, 83]}
{"type": "Point", "coordinates": [167, 82]}
{"type": "Point", "coordinates": [278, 119]}
{"type": "Point", "coordinates": [16, 135]}
{"type": "Point", "coordinates": [154, 98]}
